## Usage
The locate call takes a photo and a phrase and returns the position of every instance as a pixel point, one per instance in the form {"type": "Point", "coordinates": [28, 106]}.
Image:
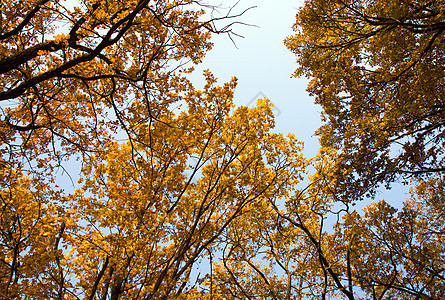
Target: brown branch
{"type": "Point", "coordinates": [98, 278]}
{"type": "Point", "coordinates": [12, 62]}
{"type": "Point", "coordinates": [24, 22]}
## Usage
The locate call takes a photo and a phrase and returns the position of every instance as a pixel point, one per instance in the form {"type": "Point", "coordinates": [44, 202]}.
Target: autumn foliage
{"type": "Point", "coordinates": [182, 195]}
{"type": "Point", "coordinates": [377, 71]}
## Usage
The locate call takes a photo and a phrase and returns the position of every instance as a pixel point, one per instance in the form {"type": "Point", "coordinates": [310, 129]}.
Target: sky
{"type": "Point", "coordinates": [263, 66]}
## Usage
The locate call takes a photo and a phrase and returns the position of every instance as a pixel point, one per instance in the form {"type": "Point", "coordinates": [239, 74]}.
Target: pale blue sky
{"type": "Point", "coordinates": [263, 64]}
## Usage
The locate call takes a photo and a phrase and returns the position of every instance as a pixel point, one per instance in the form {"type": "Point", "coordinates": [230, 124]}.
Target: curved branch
{"type": "Point", "coordinates": [24, 22]}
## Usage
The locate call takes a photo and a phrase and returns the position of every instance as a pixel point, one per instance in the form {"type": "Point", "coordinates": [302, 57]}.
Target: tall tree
{"type": "Point", "coordinates": [376, 69]}
{"type": "Point", "coordinates": [148, 212]}
{"type": "Point", "coordinates": [77, 79]}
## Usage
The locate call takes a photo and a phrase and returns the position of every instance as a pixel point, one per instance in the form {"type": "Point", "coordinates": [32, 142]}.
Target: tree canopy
{"type": "Point", "coordinates": [74, 73]}
{"type": "Point", "coordinates": [141, 222]}
{"type": "Point", "coordinates": [183, 195]}
{"type": "Point", "coordinates": [376, 69]}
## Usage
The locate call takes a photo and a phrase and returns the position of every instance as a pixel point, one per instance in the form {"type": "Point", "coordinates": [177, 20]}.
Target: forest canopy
{"type": "Point", "coordinates": [182, 194]}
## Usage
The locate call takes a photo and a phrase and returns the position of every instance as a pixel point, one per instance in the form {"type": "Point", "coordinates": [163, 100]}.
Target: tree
{"type": "Point", "coordinates": [377, 72]}
{"type": "Point", "coordinates": [294, 253]}
{"type": "Point", "coordinates": [396, 254]}
{"type": "Point", "coordinates": [73, 74]}
{"type": "Point", "coordinates": [141, 222]}
{"type": "Point", "coordinates": [98, 81]}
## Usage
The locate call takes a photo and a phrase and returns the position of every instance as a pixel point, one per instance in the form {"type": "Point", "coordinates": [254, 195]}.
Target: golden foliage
{"type": "Point", "coordinates": [376, 69]}
{"type": "Point", "coordinates": [184, 196]}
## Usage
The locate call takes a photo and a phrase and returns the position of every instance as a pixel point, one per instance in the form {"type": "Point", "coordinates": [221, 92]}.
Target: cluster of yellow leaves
{"type": "Point", "coordinates": [149, 209]}
{"type": "Point", "coordinates": [69, 71]}
{"type": "Point", "coordinates": [396, 253]}
{"type": "Point", "coordinates": [32, 225]}
{"type": "Point", "coordinates": [376, 69]}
